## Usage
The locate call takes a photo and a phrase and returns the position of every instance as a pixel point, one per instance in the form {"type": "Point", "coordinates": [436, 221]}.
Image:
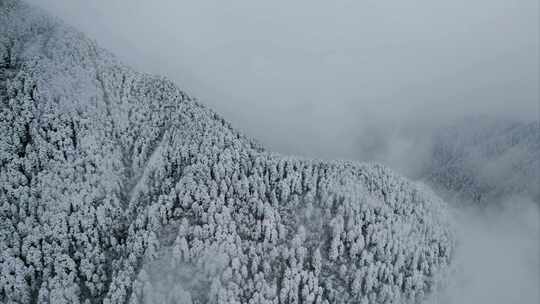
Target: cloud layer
{"type": "Point", "coordinates": [309, 77]}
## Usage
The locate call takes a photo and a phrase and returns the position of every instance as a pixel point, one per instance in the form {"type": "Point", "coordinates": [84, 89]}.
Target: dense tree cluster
{"type": "Point", "coordinates": [116, 187]}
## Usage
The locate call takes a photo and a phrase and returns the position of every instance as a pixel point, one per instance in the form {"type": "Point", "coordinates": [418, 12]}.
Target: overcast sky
{"type": "Point", "coordinates": [310, 77]}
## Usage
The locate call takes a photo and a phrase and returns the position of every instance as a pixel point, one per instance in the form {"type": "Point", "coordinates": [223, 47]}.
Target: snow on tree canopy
{"type": "Point", "coordinates": [481, 160]}
{"type": "Point", "coordinates": [117, 187]}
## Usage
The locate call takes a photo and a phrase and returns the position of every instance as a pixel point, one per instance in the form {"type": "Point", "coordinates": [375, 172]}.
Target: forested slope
{"type": "Point", "coordinates": [483, 160]}
{"type": "Point", "coordinates": [116, 187]}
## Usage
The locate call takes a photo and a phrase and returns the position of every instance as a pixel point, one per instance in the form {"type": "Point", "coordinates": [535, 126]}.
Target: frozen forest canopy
{"type": "Point", "coordinates": [484, 161]}
{"type": "Point", "coordinates": [117, 187]}
{"type": "Point", "coordinates": [471, 161]}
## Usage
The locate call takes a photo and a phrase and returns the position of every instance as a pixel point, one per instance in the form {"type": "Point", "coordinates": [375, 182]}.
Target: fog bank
{"type": "Point", "coordinates": [306, 77]}
{"type": "Point", "coordinates": [498, 261]}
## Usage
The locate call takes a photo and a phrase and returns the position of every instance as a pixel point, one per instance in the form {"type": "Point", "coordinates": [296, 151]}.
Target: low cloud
{"type": "Point", "coordinates": [307, 77]}
{"type": "Point", "coordinates": [498, 259]}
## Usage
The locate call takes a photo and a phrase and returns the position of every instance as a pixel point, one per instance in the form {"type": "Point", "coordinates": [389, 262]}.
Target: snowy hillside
{"type": "Point", "coordinates": [484, 160]}
{"type": "Point", "coordinates": [116, 187]}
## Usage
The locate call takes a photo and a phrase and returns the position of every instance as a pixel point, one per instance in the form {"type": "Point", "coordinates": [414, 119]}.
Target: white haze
{"type": "Point", "coordinates": [498, 261]}
{"type": "Point", "coordinates": [306, 76]}
{"type": "Point", "coordinates": [353, 79]}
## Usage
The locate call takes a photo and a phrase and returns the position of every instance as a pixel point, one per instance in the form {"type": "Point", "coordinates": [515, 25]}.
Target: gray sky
{"type": "Point", "coordinates": [317, 77]}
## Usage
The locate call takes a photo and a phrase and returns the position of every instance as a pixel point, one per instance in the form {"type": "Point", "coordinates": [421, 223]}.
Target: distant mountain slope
{"type": "Point", "coordinates": [116, 187]}
{"type": "Point", "coordinates": [484, 160]}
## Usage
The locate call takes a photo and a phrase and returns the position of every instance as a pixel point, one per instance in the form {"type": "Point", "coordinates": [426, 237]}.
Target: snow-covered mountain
{"type": "Point", "coordinates": [116, 187]}
{"type": "Point", "coordinates": [484, 160]}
